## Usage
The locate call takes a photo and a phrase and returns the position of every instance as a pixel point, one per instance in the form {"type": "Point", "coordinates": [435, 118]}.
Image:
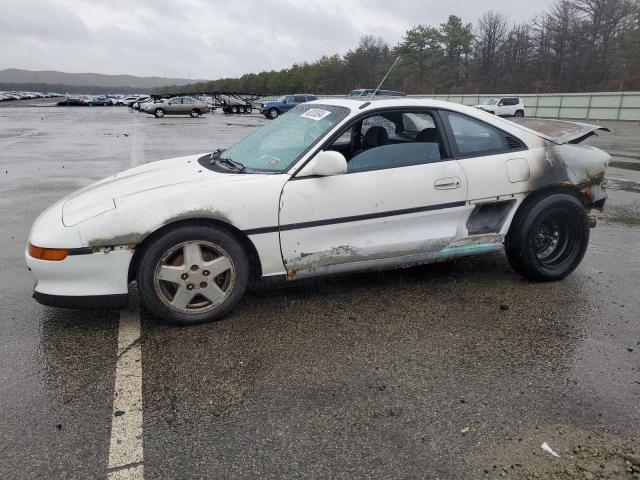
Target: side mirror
{"type": "Point", "coordinates": [325, 164]}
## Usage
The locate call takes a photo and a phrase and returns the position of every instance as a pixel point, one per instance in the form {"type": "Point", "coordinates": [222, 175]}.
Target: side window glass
{"type": "Point", "coordinates": [395, 155]}
{"type": "Point", "coordinates": [474, 137]}
{"type": "Point", "coordinates": [290, 99]}
{"type": "Point", "coordinates": [300, 99]}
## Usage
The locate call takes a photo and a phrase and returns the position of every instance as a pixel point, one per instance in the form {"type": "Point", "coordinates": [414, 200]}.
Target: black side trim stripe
{"type": "Point", "coordinates": [258, 231]}
{"type": "Point", "coordinates": [355, 218]}
{"type": "Point", "coordinates": [80, 251]}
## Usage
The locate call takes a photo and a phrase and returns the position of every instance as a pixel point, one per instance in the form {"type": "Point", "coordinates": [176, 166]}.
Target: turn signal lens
{"type": "Point", "coordinates": [52, 254]}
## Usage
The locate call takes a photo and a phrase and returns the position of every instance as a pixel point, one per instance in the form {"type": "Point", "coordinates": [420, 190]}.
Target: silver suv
{"type": "Point", "coordinates": [177, 106]}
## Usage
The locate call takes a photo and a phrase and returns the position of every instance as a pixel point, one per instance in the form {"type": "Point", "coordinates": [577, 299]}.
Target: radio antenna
{"type": "Point", "coordinates": [385, 77]}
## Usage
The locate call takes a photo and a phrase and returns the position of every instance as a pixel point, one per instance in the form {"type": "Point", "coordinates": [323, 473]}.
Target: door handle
{"type": "Point", "coordinates": [447, 183]}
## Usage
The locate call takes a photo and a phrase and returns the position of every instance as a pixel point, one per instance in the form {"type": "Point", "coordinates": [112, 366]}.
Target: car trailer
{"type": "Point", "coordinates": [229, 102]}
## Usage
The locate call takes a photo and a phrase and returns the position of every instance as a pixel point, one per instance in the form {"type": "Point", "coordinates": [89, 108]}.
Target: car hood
{"type": "Point", "coordinates": [123, 187]}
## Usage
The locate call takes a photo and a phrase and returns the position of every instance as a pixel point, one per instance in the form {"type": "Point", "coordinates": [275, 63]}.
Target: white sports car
{"type": "Point", "coordinates": [333, 186]}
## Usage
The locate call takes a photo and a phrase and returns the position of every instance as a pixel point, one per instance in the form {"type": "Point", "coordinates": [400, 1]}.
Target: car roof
{"type": "Point", "coordinates": [369, 103]}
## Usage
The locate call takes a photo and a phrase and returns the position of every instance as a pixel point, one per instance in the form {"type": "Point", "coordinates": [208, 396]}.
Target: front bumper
{"type": "Point", "coordinates": [81, 280]}
{"type": "Point", "coordinates": [111, 302]}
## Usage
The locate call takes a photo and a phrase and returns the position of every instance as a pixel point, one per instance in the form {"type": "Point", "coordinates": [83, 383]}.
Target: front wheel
{"type": "Point", "coordinates": [193, 274]}
{"type": "Point", "coordinates": [159, 113]}
{"type": "Point", "coordinates": [273, 113]}
{"type": "Point", "coordinates": [548, 237]}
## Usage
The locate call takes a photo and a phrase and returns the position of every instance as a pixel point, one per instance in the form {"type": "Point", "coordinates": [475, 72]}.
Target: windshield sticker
{"type": "Point", "coordinates": [315, 114]}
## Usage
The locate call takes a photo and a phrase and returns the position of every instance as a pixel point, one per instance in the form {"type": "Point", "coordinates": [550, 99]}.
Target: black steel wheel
{"type": "Point", "coordinates": [548, 237]}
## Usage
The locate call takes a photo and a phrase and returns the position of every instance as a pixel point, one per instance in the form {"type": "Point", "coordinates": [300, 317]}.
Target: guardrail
{"type": "Point", "coordinates": [577, 106]}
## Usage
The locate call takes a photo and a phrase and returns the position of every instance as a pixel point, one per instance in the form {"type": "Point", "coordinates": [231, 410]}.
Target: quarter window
{"type": "Point", "coordinates": [473, 137]}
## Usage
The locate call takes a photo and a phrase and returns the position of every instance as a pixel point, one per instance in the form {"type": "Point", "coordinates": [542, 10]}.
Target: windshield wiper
{"type": "Point", "coordinates": [215, 156]}
{"type": "Point", "coordinates": [229, 164]}
{"type": "Point", "coordinates": [237, 166]}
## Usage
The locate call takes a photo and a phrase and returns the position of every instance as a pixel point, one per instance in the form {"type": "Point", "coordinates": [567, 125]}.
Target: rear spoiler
{"type": "Point", "coordinates": [559, 131]}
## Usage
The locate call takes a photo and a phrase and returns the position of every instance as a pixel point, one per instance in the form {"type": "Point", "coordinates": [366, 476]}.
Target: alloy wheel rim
{"type": "Point", "coordinates": [194, 277]}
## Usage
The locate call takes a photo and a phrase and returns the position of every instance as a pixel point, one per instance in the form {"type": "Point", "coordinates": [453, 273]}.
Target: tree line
{"type": "Point", "coordinates": [577, 45]}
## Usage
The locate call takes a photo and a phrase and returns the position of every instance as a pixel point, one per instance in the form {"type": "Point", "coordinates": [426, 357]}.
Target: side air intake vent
{"type": "Point", "coordinates": [513, 142]}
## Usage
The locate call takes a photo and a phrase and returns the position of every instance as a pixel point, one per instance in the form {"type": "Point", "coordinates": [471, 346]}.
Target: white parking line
{"type": "Point", "coordinates": [125, 449]}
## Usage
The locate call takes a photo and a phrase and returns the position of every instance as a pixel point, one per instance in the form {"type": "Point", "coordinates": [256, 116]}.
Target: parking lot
{"type": "Point", "coordinates": [455, 370]}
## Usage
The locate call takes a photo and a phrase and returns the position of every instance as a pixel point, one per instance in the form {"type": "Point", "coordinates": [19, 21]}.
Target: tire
{"type": "Point", "coordinates": [273, 113]}
{"type": "Point", "coordinates": [159, 113]}
{"type": "Point", "coordinates": [548, 237]}
{"type": "Point", "coordinates": [234, 109]}
{"type": "Point", "coordinates": [249, 109]}
{"type": "Point", "coordinates": [195, 113]}
{"type": "Point", "coordinates": [519, 114]}
{"type": "Point", "coordinates": [194, 298]}
{"type": "Point", "coordinates": [241, 109]}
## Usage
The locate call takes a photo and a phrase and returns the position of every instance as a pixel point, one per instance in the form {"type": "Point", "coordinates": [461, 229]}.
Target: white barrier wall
{"type": "Point", "coordinates": [585, 106]}
{"type": "Point", "coordinates": [580, 106]}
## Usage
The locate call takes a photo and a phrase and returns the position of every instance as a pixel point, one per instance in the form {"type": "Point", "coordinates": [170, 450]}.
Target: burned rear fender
{"type": "Point", "coordinates": [582, 167]}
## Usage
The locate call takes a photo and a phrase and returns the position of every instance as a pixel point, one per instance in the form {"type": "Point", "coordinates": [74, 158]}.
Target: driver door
{"type": "Point", "coordinates": [401, 202]}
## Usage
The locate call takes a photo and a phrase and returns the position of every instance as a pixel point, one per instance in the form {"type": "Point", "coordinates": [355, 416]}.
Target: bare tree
{"type": "Point", "coordinates": [491, 34]}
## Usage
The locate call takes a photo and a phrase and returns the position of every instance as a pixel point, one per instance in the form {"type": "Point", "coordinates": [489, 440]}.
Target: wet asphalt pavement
{"type": "Point", "coordinates": [455, 370]}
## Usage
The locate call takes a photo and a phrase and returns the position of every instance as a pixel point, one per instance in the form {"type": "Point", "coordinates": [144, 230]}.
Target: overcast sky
{"type": "Point", "coordinates": [210, 38]}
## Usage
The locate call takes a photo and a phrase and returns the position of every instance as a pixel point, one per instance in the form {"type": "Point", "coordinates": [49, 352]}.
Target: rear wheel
{"type": "Point", "coordinates": [159, 113]}
{"type": "Point", "coordinates": [241, 109]}
{"type": "Point", "coordinates": [519, 114]}
{"type": "Point", "coordinates": [249, 109]}
{"type": "Point", "coordinates": [193, 274]}
{"type": "Point", "coordinates": [234, 109]}
{"type": "Point", "coordinates": [548, 237]}
{"type": "Point", "coordinates": [195, 113]}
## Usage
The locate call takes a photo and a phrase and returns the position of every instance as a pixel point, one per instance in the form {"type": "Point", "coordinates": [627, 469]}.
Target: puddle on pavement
{"type": "Point", "coordinates": [625, 185]}
{"type": "Point", "coordinates": [625, 165]}
{"type": "Point", "coordinates": [623, 215]}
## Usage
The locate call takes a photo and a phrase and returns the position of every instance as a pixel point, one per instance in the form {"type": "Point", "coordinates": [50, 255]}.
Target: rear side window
{"type": "Point", "coordinates": [471, 137]}
{"type": "Point", "coordinates": [300, 99]}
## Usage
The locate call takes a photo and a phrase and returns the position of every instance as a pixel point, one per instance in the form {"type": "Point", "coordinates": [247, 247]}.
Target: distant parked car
{"type": "Point", "coordinates": [368, 92]}
{"type": "Point", "coordinates": [101, 101]}
{"type": "Point", "coordinates": [137, 100]}
{"type": "Point", "coordinates": [503, 106]}
{"type": "Point", "coordinates": [177, 106]}
{"type": "Point", "coordinates": [285, 103]}
{"type": "Point", "coordinates": [128, 101]}
{"type": "Point", "coordinates": [140, 103]}
{"type": "Point", "coordinates": [73, 102]}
